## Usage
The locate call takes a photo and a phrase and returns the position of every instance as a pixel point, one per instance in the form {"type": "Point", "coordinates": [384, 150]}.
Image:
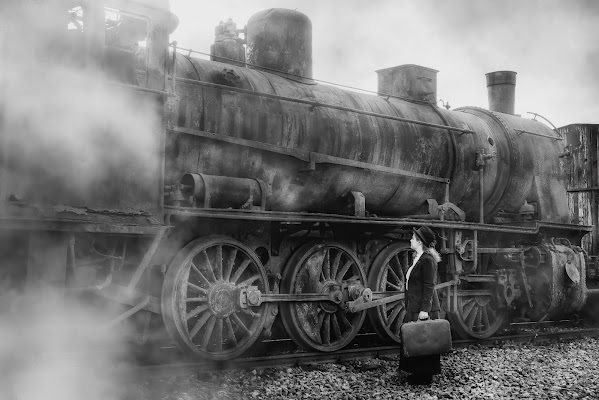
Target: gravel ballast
{"type": "Point", "coordinates": [513, 371]}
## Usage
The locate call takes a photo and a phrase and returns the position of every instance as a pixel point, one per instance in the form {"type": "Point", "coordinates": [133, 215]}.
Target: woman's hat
{"type": "Point", "coordinates": [426, 236]}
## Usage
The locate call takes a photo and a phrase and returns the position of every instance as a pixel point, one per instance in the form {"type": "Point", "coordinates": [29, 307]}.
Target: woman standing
{"type": "Point", "coordinates": [422, 302]}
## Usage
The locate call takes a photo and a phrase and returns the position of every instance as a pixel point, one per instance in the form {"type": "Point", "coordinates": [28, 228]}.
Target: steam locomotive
{"type": "Point", "coordinates": [260, 203]}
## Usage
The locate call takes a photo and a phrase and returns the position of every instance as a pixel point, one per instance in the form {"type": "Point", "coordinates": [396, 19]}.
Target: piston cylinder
{"type": "Point", "coordinates": [224, 191]}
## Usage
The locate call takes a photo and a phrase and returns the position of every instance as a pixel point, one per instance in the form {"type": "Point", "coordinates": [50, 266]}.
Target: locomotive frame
{"type": "Point", "coordinates": [205, 257]}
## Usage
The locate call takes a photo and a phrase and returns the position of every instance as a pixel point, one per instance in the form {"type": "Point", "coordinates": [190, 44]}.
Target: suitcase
{"type": "Point", "coordinates": [423, 338]}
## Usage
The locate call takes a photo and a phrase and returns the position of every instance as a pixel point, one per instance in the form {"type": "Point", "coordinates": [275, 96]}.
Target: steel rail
{"type": "Point", "coordinates": [308, 358]}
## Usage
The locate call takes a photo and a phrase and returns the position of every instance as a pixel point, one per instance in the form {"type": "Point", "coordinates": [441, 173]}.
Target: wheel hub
{"type": "Point", "coordinates": [221, 299]}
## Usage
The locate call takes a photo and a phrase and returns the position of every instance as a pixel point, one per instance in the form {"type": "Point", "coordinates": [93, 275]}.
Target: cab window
{"type": "Point", "coordinates": [125, 58]}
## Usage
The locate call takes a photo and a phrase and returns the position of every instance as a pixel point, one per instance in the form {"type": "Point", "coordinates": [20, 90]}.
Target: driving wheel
{"type": "Point", "coordinates": [387, 275]}
{"type": "Point", "coordinates": [320, 268]}
{"type": "Point", "coordinates": [199, 298]}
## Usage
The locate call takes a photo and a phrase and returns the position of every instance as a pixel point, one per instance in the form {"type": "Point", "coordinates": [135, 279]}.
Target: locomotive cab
{"type": "Point", "coordinates": [128, 40]}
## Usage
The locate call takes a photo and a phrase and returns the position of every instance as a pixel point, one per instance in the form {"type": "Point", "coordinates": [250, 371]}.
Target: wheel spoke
{"type": "Point", "coordinates": [478, 321]}
{"type": "Point", "coordinates": [196, 311]}
{"type": "Point", "coordinates": [486, 321]}
{"type": "Point", "coordinates": [468, 307]}
{"type": "Point", "coordinates": [208, 332]}
{"type": "Point", "coordinates": [196, 300]}
{"type": "Point", "coordinates": [248, 281]}
{"type": "Point", "coordinates": [231, 331]}
{"type": "Point", "coordinates": [343, 318]}
{"type": "Point", "coordinates": [336, 327]}
{"type": "Point", "coordinates": [472, 317]}
{"type": "Point", "coordinates": [327, 329]}
{"type": "Point", "coordinates": [196, 288]}
{"type": "Point", "coordinates": [198, 325]}
{"type": "Point", "coordinates": [393, 315]}
{"type": "Point", "coordinates": [230, 263]}
{"type": "Point", "coordinates": [204, 280]}
{"type": "Point", "coordinates": [219, 335]}
{"type": "Point", "coordinates": [209, 268]}
{"type": "Point", "coordinates": [240, 324]}
{"type": "Point", "coordinates": [393, 304]}
{"type": "Point", "coordinates": [219, 262]}
{"type": "Point", "coordinates": [344, 270]}
{"type": "Point", "coordinates": [394, 286]}
{"type": "Point", "coordinates": [326, 265]}
{"type": "Point", "coordinates": [390, 270]}
{"type": "Point", "coordinates": [321, 315]}
{"type": "Point", "coordinates": [240, 270]}
{"type": "Point", "coordinates": [336, 261]}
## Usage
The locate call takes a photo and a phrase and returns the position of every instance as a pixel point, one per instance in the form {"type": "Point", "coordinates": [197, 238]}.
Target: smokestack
{"type": "Point", "coordinates": [501, 89]}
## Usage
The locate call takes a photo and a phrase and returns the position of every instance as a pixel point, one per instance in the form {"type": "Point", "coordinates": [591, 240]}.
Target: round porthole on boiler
{"type": "Point", "coordinates": [491, 141]}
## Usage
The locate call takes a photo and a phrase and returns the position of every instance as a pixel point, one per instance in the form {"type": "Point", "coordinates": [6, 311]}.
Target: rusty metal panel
{"type": "Point", "coordinates": [580, 167]}
{"type": "Point", "coordinates": [343, 141]}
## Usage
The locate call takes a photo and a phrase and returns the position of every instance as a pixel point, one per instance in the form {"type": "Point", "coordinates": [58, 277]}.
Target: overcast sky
{"type": "Point", "coordinates": [553, 45]}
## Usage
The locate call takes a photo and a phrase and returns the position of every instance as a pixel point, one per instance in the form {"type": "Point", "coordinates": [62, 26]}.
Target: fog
{"type": "Point", "coordinates": [57, 350]}
{"type": "Point", "coordinates": [65, 132]}
{"type": "Point", "coordinates": [551, 44]}
{"type": "Point", "coordinates": [74, 130]}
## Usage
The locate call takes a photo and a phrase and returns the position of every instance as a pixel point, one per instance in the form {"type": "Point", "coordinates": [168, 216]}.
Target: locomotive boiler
{"type": "Point", "coordinates": [280, 207]}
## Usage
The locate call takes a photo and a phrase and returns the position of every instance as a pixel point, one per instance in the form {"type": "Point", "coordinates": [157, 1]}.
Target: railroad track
{"type": "Point", "coordinates": [292, 359]}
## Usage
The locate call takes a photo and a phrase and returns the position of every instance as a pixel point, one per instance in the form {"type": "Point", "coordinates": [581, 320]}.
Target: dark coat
{"type": "Point", "coordinates": [421, 295]}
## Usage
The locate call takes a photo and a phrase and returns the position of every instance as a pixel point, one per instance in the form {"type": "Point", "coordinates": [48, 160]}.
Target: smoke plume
{"type": "Point", "coordinates": [65, 137]}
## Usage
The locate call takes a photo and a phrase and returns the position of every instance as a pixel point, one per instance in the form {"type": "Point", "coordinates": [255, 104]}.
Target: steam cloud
{"type": "Point", "coordinates": [63, 132]}
{"type": "Point", "coordinates": [550, 43]}
{"type": "Point", "coordinates": [70, 126]}
{"type": "Point", "coordinates": [53, 349]}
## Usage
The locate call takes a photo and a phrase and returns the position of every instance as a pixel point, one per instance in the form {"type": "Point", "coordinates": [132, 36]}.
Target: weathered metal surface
{"type": "Point", "coordinates": [280, 40]}
{"type": "Point", "coordinates": [264, 109]}
{"type": "Point", "coordinates": [554, 292]}
{"type": "Point", "coordinates": [338, 133]}
{"type": "Point", "coordinates": [71, 225]}
{"type": "Point", "coordinates": [310, 158]}
{"type": "Point", "coordinates": [409, 81]}
{"type": "Point", "coordinates": [501, 90]}
{"type": "Point", "coordinates": [580, 168]}
{"type": "Point", "coordinates": [526, 168]}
